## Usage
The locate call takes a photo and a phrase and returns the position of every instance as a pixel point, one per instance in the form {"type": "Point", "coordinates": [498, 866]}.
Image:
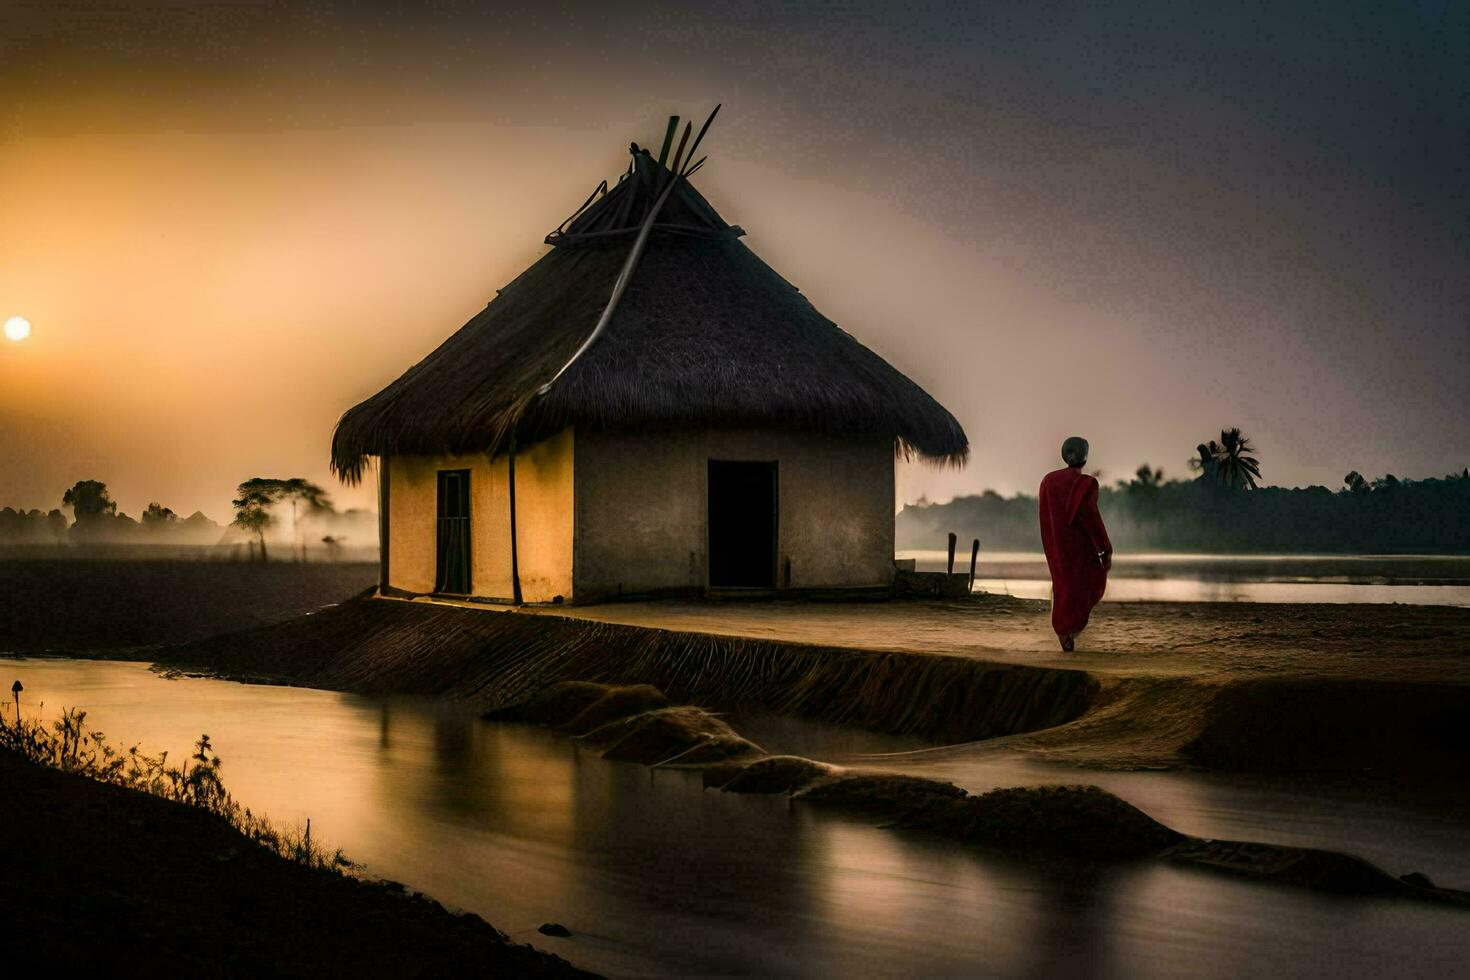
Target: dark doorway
{"type": "Point", "coordinates": [453, 576]}
{"type": "Point", "coordinates": [742, 525]}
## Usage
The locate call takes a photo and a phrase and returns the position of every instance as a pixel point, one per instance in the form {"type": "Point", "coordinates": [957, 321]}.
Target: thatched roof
{"type": "Point", "coordinates": [706, 335]}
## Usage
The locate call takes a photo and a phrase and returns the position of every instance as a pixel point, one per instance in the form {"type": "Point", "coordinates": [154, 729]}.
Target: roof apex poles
{"type": "Point", "coordinates": [630, 264]}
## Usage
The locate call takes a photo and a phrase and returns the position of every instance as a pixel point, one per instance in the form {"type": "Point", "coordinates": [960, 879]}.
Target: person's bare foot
{"type": "Point", "coordinates": [1069, 642]}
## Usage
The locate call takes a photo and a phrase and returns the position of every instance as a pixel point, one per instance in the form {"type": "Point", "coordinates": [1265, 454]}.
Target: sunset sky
{"type": "Point", "coordinates": [229, 222]}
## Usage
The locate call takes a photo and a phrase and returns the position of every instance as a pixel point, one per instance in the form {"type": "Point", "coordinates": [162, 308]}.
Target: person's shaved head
{"type": "Point", "coordinates": [1074, 451]}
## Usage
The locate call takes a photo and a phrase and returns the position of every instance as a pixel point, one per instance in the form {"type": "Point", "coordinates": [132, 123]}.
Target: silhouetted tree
{"type": "Point", "coordinates": [1234, 466]}
{"type": "Point", "coordinates": [1355, 483]}
{"type": "Point", "coordinates": [1148, 477]}
{"type": "Point", "coordinates": [253, 509]}
{"type": "Point", "coordinates": [306, 492]}
{"type": "Point", "coordinates": [158, 516]}
{"type": "Point", "coordinates": [303, 492]}
{"type": "Point", "coordinates": [265, 492]}
{"type": "Point", "coordinates": [89, 500]}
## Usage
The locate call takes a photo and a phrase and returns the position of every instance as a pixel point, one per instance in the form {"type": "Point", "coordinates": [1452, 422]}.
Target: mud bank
{"type": "Point", "coordinates": [1267, 717]}
{"type": "Point", "coordinates": [495, 659]}
{"type": "Point", "coordinates": [1410, 735]}
{"type": "Point", "coordinates": [1416, 730]}
{"type": "Point", "coordinates": [638, 723]}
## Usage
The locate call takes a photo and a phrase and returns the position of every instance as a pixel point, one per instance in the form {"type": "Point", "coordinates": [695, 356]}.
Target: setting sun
{"type": "Point", "coordinates": [17, 328]}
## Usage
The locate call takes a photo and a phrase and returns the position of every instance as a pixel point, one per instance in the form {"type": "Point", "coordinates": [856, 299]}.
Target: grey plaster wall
{"type": "Point", "coordinates": [641, 502]}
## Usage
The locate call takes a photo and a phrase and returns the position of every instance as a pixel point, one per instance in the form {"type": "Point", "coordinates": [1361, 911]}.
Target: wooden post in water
{"type": "Point", "coordinates": [15, 689]}
{"type": "Point", "coordinates": [953, 540]}
{"type": "Point", "coordinates": [974, 557]}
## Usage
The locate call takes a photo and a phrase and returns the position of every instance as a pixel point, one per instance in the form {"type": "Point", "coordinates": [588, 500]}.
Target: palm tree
{"type": "Point", "coordinates": [1234, 464]}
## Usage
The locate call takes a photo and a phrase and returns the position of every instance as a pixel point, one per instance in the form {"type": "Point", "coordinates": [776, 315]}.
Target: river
{"type": "Point", "coordinates": [655, 875]}
{"type": "Point", "coordinates": [1423, 580]}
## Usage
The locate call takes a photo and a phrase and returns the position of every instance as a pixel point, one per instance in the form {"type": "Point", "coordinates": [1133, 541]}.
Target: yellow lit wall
{"type": "Point", "coordinates": [544, 518]}
{"type": "Point", "coordinates": [543, 521]}
{"type": "Point", "coordinates": [413, 512]}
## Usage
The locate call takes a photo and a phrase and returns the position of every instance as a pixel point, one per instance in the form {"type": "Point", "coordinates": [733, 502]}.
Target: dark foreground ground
{"type": "Point", "coordinates": [78, 604]}
{"type": "Point", "coordinates": [119, 883]}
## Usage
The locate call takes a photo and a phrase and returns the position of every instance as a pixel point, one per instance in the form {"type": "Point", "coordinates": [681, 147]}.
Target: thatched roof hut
{"type": "Point", "coordinates": [707, 334]}
{"type": "Point", "coordinates": [705, 338]}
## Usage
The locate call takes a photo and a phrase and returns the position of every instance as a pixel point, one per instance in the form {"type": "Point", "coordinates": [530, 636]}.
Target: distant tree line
{"type": "Point", "coordinates": [32, 526]}
{"type": "Point", "coordinates": [96, 519]}
{"type": "Point", "coordinates": [1223, 510]}
{"type": "Point", "coordinates": [262, 504]}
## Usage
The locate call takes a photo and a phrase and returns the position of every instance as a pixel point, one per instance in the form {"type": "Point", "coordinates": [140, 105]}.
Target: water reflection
{"type": "Point", "coordinates": [1205, 590]}
{"type": "Point", "coordinates": [1442, 580]}
{"type": "Point", "coordinates": [655, 875]}
{"type": "Point", "coordinates": [1429, 832]}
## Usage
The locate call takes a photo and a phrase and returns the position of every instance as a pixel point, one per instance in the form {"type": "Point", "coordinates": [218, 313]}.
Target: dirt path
{"type": "Point", "coordinates": [1354, 691]}
{"type": "Point", "coordinates": [1200, 640]}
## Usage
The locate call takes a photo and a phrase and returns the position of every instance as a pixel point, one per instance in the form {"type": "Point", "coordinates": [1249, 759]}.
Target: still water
{"type": "Point", "coordinates": [1421, 580]}
{"type": "Point", "coordinates": [655, 875]}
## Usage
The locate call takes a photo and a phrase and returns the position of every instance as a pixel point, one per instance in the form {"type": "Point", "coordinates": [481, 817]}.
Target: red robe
{"type": "Point", "coordinates": [1072, 534]}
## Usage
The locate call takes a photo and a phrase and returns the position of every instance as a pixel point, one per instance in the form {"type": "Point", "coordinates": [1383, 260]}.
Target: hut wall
{"type": "Point", "coordinates": [641, 502]}
{"type": "Point", "coordinates": [413, 513]}
{"type": "Point", "coordinates": [411, 507]}
{"type": "Point", "coordinates": [544, 513]}
{"type": "Point", "coordinates": [543, 521]}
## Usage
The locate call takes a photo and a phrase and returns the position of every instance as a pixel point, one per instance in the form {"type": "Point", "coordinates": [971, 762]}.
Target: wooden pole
{"type": "Point", "coordinates": [953, 540]}
{"type": "Point", "coordinates": [974, 557]}
{"type": "Point", "coordinates": [515, 558]}
{"type": "Point", "coordinates": [636, 252]}
{"type": "Point", "coordinates": [383, 526]}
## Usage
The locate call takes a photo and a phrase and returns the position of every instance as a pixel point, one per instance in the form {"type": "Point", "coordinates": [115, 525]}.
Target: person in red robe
{"type": "Point", "coordinates": [1078, 552]}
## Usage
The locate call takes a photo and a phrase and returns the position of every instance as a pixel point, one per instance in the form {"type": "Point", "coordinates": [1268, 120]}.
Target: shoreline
{"type": "Point", "coordinates": [1248, 689]}
{"type": "Point", "coordinates": [1312, 690]}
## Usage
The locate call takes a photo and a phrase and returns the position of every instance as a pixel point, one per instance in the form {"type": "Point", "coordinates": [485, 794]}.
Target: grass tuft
{"type": "Point", "coordinates": [68, 745]}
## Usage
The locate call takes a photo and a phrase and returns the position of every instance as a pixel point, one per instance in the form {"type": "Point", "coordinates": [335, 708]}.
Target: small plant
{"type": "Point", "coordinates": [68, 745]}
